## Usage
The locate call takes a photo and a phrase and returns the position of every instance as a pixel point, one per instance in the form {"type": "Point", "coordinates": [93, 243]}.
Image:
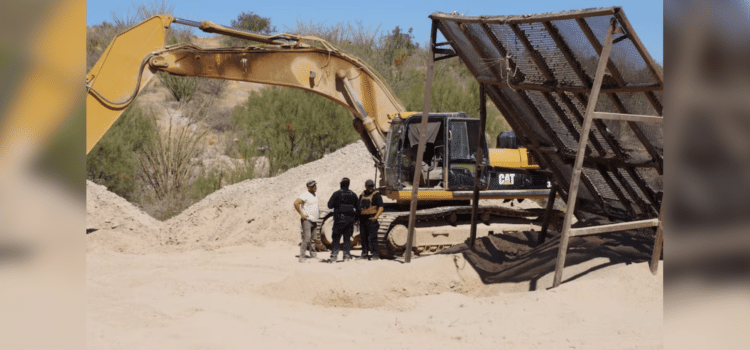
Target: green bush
{"type": "Point", "coordinates": [165, 161]}
{"type": "Point", "coordinates": [453, 94]}
{"type": "Point", "coordinates": [249, 21]}
{"type": "Point", "coordinates": [291, 127]}
{"type": "Point", "coordinates": [113, 162]}
{"type": "Point", "coordinates": [182, 88]}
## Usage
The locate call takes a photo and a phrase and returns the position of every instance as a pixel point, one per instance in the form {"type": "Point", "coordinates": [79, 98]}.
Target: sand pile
{"type": "Point", "coordinates": [254, 211]}
{"type": "Point", "coordinates": [114, 223]}
{"type": "Point", "coordinates": [261, 210]}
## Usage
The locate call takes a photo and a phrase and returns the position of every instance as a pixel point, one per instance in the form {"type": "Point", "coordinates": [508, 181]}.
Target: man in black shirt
{"type": "Point", "coordinates": [371, 206]}
{"type": "Point", "coordinates": [345, 210]}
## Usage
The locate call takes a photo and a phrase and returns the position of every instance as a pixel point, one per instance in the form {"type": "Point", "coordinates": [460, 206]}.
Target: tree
{"type": "Point", "coordinates": [399, 45]}
{"type": "Point", "coordinates": [252, 22]}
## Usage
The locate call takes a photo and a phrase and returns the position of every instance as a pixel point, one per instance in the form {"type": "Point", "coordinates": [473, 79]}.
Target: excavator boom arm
{"type": "Point", "coordinates": [305, 63]}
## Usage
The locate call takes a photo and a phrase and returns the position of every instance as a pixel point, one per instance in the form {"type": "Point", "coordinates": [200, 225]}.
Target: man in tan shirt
{"type": "Point", "coordinates": [307, 207]}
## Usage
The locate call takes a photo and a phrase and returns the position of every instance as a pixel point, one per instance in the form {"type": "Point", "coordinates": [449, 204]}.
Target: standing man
{"type": "Point", "coordinates": [307, 207]}
{"type": "Point", "coordinates": [370, 208]}
{"type": "Point", "coordinates": [345, 209]}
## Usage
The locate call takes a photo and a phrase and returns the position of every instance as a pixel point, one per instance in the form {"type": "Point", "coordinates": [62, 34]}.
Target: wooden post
{"type": "Point", "coordinates": [420, 148]}
{"type": "Point", "coordinates": [577, 169]}
{"type": "Point", "coordinates": [547, 214]}
{"type": "Point", "coordinates": [480, 160]}
{"type": "Point", "coordinates": [657, 243]}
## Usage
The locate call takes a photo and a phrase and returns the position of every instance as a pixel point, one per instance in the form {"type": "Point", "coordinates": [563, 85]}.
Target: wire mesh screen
{"type": "Point", "coordinates": [539, 71]}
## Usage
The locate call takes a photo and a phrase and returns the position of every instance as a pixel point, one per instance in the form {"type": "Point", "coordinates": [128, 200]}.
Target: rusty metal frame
{"type": "Point", "coordinates": [567, 231]}
{"type": "Point", "coordinates": [615, 189]}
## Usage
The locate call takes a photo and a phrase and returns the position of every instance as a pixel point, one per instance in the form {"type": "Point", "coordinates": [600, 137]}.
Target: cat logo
{"type": "Point", "coordinates": [507, 179]}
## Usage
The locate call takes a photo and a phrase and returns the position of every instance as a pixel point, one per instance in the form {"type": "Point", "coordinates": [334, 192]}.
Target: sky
{"type": "Point", "coordinates": [646, 16]}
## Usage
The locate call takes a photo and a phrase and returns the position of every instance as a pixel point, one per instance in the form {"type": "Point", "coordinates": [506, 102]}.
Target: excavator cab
{"type": "Point", "coordinates": [449, 159]}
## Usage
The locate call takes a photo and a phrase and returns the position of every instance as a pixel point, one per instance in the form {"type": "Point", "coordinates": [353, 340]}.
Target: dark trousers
{"type": "Point", "coordinates": [345, 229]}
{"type": "Point", "coordinates": [368, 233]}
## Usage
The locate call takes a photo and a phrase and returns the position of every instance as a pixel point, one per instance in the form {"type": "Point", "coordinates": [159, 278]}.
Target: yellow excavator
{"type": "Point", "coordinates": [390, 133]}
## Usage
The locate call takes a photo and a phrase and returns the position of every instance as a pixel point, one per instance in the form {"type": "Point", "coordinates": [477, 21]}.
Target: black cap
{"type": "Point", "coordinates": [369, 183]}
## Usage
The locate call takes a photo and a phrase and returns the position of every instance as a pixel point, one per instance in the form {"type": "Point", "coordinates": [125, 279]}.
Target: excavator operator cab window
{"type": "Point", "coordinates": [463, 136]}
{"type": "Point", "coordinates": [431, 164]}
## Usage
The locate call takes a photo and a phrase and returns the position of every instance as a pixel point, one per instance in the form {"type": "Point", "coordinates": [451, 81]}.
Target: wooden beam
{"type": "Point", "coordinates": [480, 166]}
{"type": "Point", "coordinates": [576, 176]}
{"type": "Point", "coordinates": [629, 117]}
{"type": "Point", "coordinates": [547, 215]}
{"type": "Point", "coordinates": [421, 146]}
{"type": "Point", "coordinates": [573, 89]}
{"type": "Point", "coordinates": [525, 19]}
{"type": "Point", "coordinates": [622, 226]}
{"type": "Point", "coordinates": [658, 241]}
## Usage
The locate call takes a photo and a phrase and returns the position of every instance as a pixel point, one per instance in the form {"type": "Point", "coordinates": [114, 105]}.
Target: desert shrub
{"type": "Point", "coordinates": [182, 88]}
{"type": "Point", "coordinates": [113, 162]}
{"type": "Point", "coordinates": [165, 161]}
{"type": "Point", "coordinates": [291, 127]}
{"type": "Point", "coordinates": [211, 87]}
{"type": "Point", "coordinates": [252, 22]}
{"type": "Point", "coordinates": [453, 92]}
{"type": "Point", "coordinates": [166, 167]}
{"type": "Point", "coordinates": [219, 119]}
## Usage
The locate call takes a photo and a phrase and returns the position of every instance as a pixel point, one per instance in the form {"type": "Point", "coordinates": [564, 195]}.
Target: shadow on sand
{"type": "Point", "coordinates": [515, 257]}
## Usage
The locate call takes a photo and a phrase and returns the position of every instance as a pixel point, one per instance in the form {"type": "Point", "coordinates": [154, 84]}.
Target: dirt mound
{"type": "Point", "coordinates": [261, 210]}
{"type": "Point", "coordinates": [114, 223]}
{"type": "Point", "coordinates": [250, 212]}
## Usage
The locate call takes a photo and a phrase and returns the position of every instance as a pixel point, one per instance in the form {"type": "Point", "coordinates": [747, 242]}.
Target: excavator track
{"type": "Point", "coordinates": [390, 218]}
{"type": "Point", "coordinates": [444, 217]}
{"type": "Point", "coordinates": [317, 241]}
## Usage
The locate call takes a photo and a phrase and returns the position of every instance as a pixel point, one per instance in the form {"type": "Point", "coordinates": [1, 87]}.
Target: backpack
{"type": "Point", "coordinates": [365, 204]}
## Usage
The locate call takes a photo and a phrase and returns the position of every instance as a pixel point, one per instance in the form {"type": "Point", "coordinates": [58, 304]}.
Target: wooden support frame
{"type": "Point", "coordinates": [547, 214]}
{"type": "Point", "coordinates": [421, 144]}
{"type": "Point", "coordinates": [567, 231]}
{"type": "Point", "coordinates": [480, 164]}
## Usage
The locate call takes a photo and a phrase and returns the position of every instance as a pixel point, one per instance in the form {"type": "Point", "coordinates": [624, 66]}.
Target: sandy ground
{"type": "Point", "coordinates": [224, 275]}
{"type": "Point", "coordinates": [261, 297]}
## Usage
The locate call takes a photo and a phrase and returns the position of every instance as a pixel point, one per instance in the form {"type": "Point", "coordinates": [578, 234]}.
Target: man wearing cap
{"type": "Point", "coordinates": [370, 208]}
{"type": "Point", "coordinates": [307, 207]}
{"type": "Point", "coordinates": [345, 210]}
